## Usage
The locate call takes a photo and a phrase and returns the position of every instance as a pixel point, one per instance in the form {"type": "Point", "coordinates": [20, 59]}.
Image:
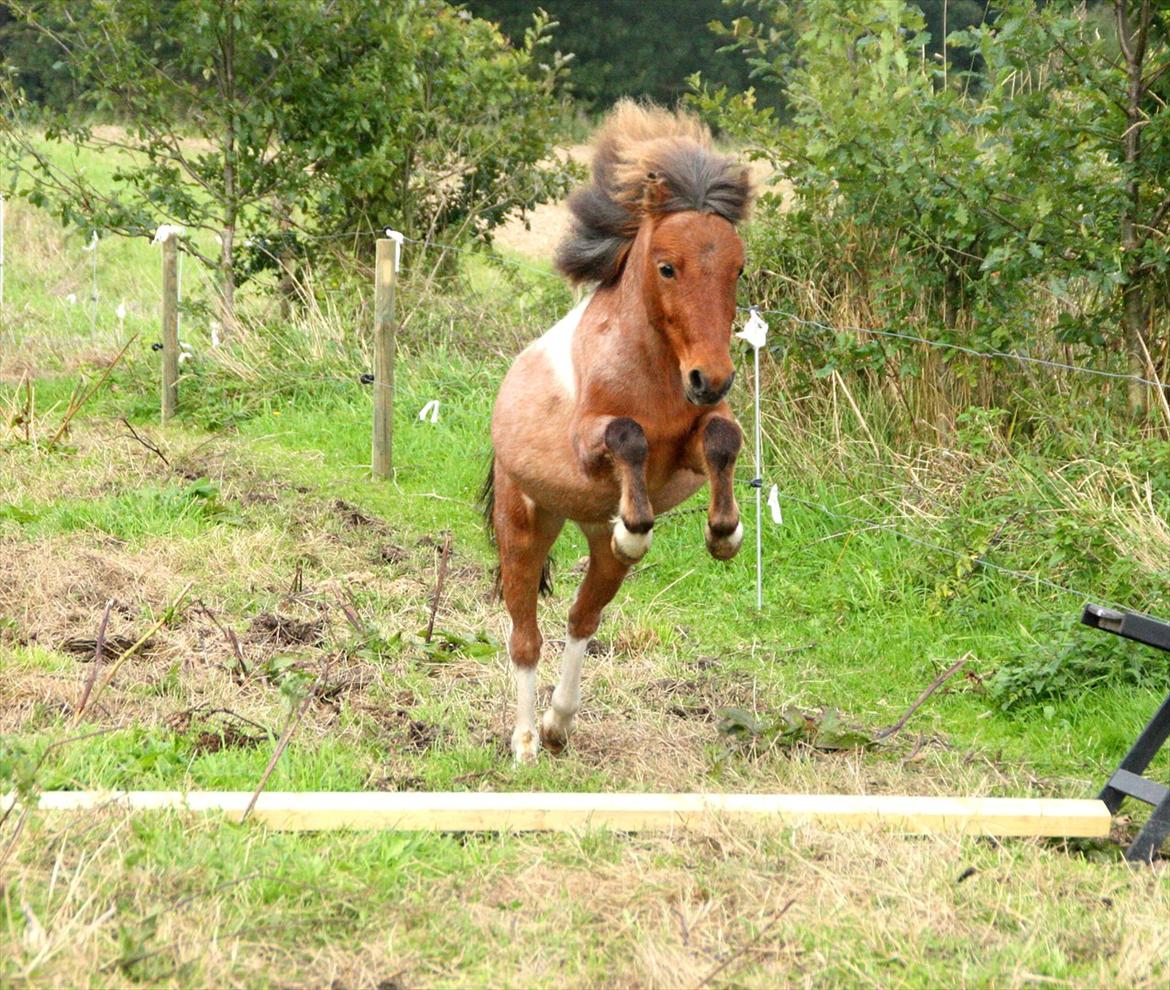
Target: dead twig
{"type": "Point", "coordinates": [747, 946]}
{"type": "Point", "coordinates": [75, 407]}
{"type": "Point", "coordinates": [98, 652]}
{"type": "Point", "coordinates": [285, 737]}
{"type": "Point", "coordinates": [351, 614]}
{"type": "Point", "coordinates": [148, 444]}
{"type": "Point", "coordinates": [913, 754]}
{"type": "Point", "coordinates": [934, 685]}
{"type": "Point", "coordinates": [167, 612]}
{"type": "Point", "coordinates": [439, 581]}
{"type": "Point", "coordinates": [349, 610]}
{"type": "Point", "coordinates": [233, 641]}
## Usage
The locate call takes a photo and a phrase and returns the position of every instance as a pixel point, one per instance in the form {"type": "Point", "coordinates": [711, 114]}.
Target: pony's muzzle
{"type": "Point", "coordinates": [703, 391]}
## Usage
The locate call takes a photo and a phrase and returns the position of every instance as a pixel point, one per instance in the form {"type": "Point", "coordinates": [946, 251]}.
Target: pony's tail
{"type": "Point", "coordinates": [487, 507]}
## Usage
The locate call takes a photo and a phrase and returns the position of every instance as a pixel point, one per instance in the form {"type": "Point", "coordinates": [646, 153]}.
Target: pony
{"type": "Point", "coordinates": [618, 413]}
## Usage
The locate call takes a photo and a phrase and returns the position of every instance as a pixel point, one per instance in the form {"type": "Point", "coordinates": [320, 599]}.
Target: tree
{"type": "Point", "coordinates": [268, 119]}
{"type": "Point", "coordinates": [1027, 204]}
{"type": "Point", "coordinates": [1070, 92]}
{"type": "Point", "coordinates": [631, 47]}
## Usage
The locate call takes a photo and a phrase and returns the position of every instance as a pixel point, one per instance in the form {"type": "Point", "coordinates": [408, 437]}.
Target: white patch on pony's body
{"type": "Point", "coordinates": [566, 699]}
{"type": "Point", "coordinates": [557, 347]}
{"type": "Point", "coordinates": [525, 738]}
{"type": "Point", "coordinates": [632, 546]}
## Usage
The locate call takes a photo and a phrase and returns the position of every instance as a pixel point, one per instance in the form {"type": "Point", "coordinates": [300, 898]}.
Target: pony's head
{"type": "Point", "coordinates": [661, 211]}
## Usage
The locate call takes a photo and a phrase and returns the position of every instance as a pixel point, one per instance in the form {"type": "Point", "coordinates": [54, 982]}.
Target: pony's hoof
{"type": "Point", "coordinates": [554, 734]}
{"type": "Point", "coordinates": [725, 547]}
{"type": "Point", "coordinates": [525, 746]}
{"type": "Point", "coordinates": [629, 547]}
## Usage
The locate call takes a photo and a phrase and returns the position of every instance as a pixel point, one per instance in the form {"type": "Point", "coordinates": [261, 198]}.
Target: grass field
{"type": "Point", "coordinates": [259, 498]}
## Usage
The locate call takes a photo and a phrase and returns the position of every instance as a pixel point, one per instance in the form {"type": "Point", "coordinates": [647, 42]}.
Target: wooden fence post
{"type": "Point", "coordinates": [170, 326]}
{"type": "Point", "coordinates": [2, 204]}
{"type": "Point", "coordinates": [385, 282]}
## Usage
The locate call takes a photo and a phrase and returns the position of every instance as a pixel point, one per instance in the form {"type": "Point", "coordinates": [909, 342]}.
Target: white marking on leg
{"type": "Point", "coordinates": [566, 699]}
{"type": "Point", "coordinates": [632, 545]}
{"type": "Point", "coordinates": [525, 739]}
{"type": "Point", "coordinates": [557, 347]}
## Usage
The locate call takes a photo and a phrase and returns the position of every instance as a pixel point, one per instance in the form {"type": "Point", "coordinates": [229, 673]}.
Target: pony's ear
{"type": "Point", "coordinates": [654, 192]}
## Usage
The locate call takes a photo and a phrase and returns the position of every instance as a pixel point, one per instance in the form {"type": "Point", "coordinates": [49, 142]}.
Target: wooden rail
{"type": "Point", "coordinates": [521, 812]}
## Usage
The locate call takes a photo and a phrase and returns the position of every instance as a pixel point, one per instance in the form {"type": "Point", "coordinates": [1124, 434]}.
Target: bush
{"type": "Point", "coordinates": [987, 208]}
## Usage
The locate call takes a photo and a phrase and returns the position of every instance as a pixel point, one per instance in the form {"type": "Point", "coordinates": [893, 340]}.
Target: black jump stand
{"type": "Point", "coordinates": [1127, 779]}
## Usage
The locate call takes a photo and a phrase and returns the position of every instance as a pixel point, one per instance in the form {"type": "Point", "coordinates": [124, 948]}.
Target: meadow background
{"type": "Point", "coordinates": [955, 222]}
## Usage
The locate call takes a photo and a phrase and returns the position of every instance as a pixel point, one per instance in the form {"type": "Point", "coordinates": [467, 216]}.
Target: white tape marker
{"type": "Point", "coordinates": [774, 505]}
{"type": "Point", "coordinates": [397, 237]}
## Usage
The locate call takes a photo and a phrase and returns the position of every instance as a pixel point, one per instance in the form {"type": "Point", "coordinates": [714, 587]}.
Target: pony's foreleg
{"type": "Point", "coordinates": [713, 450]}
{"type": "Point", "coordinates": [602, 580]}
{"type": "Point", "coordinates": [620, 443]}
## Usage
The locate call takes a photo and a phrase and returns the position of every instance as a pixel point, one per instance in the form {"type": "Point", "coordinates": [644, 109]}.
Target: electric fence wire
{"type": "Point", "coordinates": [1023, 576]}
{"type": "Point", "coordinates": [962, 348]}
{"type": "Point", "coordinates": [793, 318]}
{"type": "Point", "coordinates": [1018, 575]}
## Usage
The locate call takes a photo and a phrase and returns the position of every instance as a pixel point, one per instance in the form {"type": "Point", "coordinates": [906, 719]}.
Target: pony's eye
{"type": "Point", "coordinates": [666, 270]}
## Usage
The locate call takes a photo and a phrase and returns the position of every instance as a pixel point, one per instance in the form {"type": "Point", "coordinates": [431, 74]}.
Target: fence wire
{"type": "Point", "coordinates": [962, 348]}
{"type": "Point", "coordinates": [786, 315]}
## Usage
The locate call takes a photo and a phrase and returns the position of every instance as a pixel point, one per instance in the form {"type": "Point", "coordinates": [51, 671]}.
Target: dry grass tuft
{"type": "Point", "coordinates": [725, 907]}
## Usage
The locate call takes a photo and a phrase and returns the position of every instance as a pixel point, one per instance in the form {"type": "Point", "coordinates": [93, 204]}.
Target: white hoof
{"type": "Point", "coordinates": [525, 745]}
{"type": "Point", "coordinates": [630, 547]}
{"type": "Point", "coordinates": [725, 547]}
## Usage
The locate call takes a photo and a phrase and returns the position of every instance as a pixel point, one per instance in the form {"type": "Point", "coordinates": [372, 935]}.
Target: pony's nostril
{"type": "Point", "coordinates": [698, 382]}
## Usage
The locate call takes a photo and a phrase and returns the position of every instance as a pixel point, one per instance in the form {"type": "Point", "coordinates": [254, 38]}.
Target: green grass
{"type": "Point", "coordinates": [266, 505]}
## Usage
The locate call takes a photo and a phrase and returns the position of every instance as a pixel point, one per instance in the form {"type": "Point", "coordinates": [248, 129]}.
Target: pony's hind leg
{"type": "Point", "coordinates": [602, 580]}
{"type": "Point", "coordinates": [525, 535]}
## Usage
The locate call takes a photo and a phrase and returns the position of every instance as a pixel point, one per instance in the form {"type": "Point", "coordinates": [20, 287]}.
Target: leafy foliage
{"type": "Point", "coordinates": [275, 121]}
{"type": "Point", "coordinates": [789, 728]}
{"type": "Point", "coordinates": [631, 48]}
{"type": "Point", "coordinates": [987, 208]}
{"type": "Point", "coordinates": [1065, 667]}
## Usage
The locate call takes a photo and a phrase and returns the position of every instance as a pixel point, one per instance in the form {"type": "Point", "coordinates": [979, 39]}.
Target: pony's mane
{"type": "Point", "coordinates": [646, 160]}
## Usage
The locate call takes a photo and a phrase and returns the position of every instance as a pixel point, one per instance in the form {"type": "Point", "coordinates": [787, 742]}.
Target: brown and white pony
{"type": "Point", "coordinates": [617, 413]}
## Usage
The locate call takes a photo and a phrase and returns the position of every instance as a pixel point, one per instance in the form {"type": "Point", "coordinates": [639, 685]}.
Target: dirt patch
{"type": "Point", "coordinates": [227, 737]}
{"type": "Point", "coordinates": [354, 516]}
{"type": "Point", "coordinates": [698, 698]}
{"type": "Point", "coordinates": [217, 729]}
{"type": "Point", "coordinates": [54, 592]}
{"type": "Point", "coordinates": [405, 732]}
{"type": "Point", "coordinates": [283, 630]}
{"type": "Point", "coordinates": [112, 647]}
{"type": "Point", "coordinates": [391, 553]}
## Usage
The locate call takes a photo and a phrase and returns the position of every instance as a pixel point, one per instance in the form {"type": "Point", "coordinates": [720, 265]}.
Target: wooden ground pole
{"type": "Point", "coordinates": [522, 811]}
